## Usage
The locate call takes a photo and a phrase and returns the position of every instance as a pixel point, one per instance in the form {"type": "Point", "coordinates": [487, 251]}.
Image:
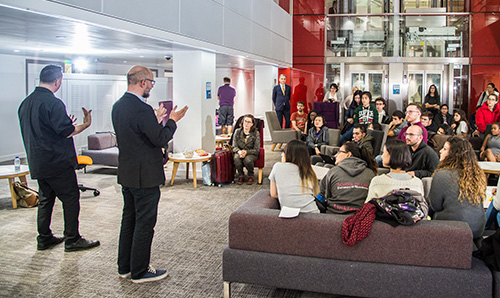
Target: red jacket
{"type": "Point", "coordinates": [484, 116]}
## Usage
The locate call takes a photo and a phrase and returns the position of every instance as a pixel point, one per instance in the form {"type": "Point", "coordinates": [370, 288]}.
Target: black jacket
{"type": "Point", "coordinates": [140, 138]}
{"type": "Point", "coordinates": [424, 161]}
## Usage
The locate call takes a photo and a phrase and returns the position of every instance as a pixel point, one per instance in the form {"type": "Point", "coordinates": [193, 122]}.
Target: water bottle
{"type": "Point", "coordinates": [17, 164]}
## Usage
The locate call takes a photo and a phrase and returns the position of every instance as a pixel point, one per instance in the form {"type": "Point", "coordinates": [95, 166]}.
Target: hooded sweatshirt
{"type": "Point", "coordinates": [365, 115]}
{"type": "Point", "coordinates": [345, 186]}
{"type": "Point", "coordinates": [484, 116]}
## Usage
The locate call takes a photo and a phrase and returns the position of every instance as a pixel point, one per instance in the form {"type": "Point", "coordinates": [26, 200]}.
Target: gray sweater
{"type": "Point", "coordinates": [444, 201]}
{"type": "Point", "coordinates": [345, 186]}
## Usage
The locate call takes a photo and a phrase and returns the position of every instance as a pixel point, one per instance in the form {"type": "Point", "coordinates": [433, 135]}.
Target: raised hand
{"type": "Point", "coordinates": [178, 115]}
{"type": "Point", "coordinates": [160, 113]}
{"type": "Point", "coordinates": [87, 117]}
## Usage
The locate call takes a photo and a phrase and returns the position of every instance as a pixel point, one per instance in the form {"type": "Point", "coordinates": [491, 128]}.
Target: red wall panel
{"type": "Point", "coordinates": [485, 5]}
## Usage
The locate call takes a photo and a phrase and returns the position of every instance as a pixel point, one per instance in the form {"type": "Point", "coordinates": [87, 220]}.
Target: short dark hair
{"type": "Point", "coordinates": [414, 104]}
{"type": "Point", "coordinates": [334, 85]}
{"type": "Point", "coordinates": [50, 74]}
{"type": "Point", "coordinates": [227, 80]}
{"type": "Point", "coordinates": [361, 127]}
{"type": "Point", "coordinates": [302, 103]}
{"type": "Point", "coordinates": [380, 99]}
{"type": "Point", "coordinates": [398, 114]}
{"type": "Point", "coordinates": [444, 105]}
{"type": "Point", "coordinates": [400, 156]}
{"type": "Point", "coordinates": [322, 117]}
{"type": "Point", "coordinates": [367, 93]}
{"type": "Point", "coordinates": [427, 114]}
{"type": "Point", "coordinates": [496, 96]}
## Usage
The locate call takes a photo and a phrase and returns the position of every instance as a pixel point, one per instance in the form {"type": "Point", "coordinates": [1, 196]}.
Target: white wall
{"type": "Point", "coordinates": [257, 28]}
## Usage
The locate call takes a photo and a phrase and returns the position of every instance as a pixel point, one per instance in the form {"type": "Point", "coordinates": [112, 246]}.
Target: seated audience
{"type": "Point", "coordinates": [488, 113]}
{"type": "Point", "coordinates": [333, 95]}
{"type": "Point", "coordinates": [397, 158]}
{"type": "Point", "coordinates": [383, 118]}
{"type": "Point", "coordinates": [424, 159]}
{"type": "Point", "coordinates": [246, 145]}
{"type": "Point", "coordinates": [361, 138]}
{"type": "Point", "coordinates": [413, 113]}
{"type": "Point", "coordinates": [492, 214]}
{"type": "Point", "coordinates": [459, 186]}
{"type": "Point", "coordinates": [293, 180]}
{"type": "Point", "coordinates": [490, 89]}
{"type": "Point", "coordinates": [375, 126]}
{"type": "Point", "coordinates": [299, 120]}
{"type": "Point", "coordinates": [444, 129]}
{"type": "Point", "coordinates": [443, 117]}
{"type": "Point", "coordinates": [490, 151]}
{"type": "Point", "coordinates": [346, 103]}
{"type": "Point", "coordinates": [349, 114]}
{"type": "Point", "coordinates": [317, 135]}
{"type": "Point", "coordinates": [397, 124]}
{"type": "Point", "coordinates": [427, 122]}
{"type": "Point", "coordinates": [364, 114]}
{"type": "Point", "coordinates": [345, 186]}
{"type": "Point", "coordinates": [461, 126]}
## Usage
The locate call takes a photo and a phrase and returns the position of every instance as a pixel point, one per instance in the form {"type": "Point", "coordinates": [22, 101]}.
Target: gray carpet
{"type": "Point", "coordinates": [189, 237]}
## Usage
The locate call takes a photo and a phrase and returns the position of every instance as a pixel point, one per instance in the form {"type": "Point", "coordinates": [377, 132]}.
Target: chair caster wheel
{"type": "Point", "coordinates": [96, 193]}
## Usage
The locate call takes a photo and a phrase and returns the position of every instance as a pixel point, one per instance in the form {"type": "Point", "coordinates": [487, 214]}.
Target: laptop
{"type": "Point", "coordinates": [327, 159]}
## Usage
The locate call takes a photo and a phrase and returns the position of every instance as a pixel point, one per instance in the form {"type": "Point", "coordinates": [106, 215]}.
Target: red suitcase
{"type": "Point", "coordinates": [222, 167]}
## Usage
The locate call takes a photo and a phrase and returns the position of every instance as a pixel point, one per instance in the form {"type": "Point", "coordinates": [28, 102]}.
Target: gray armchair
{"type": "Point", "coordinates": [279, 135]}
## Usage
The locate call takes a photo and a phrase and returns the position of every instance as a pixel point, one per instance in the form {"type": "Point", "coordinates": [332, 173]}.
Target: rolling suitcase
{"type": "Point", "coordinates": [222, 167]}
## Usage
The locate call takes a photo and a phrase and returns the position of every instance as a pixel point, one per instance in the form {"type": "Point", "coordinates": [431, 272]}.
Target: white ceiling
{"type": "Point", "coordinates": [36, 35]}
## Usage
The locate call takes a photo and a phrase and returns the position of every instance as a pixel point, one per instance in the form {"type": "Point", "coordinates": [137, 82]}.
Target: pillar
{"type": "Point", "coordinates": [266, 77]}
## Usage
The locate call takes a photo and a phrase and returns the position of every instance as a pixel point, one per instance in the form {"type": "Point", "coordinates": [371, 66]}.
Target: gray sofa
{"type": "Point", "coordinates": [430, 259]}
{"type": "Point", "coordinates": [102, 148]}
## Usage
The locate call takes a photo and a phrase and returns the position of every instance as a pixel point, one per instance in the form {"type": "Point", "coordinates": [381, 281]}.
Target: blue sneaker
{"type": "Point", "coordinates": [151, 275]}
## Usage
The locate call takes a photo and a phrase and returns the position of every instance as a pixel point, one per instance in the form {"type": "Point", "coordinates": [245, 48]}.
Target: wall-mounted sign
{"type": "Point", "coordinates": [396, 89]}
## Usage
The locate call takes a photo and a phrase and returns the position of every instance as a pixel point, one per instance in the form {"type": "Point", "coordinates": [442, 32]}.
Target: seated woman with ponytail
{"type": "Point", "coordinates": [293, 180]}
{"type": "Point", "coordinates": [345, 186]}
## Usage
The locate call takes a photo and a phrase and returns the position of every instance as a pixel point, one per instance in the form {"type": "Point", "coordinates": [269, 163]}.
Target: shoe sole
{"type": "Point", "coordinates": [143, 280]}
{"type": "Point", "coordinates": [81, 248]}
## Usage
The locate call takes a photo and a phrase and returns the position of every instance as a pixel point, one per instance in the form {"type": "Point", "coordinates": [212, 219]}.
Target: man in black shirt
{"type": "Point", "coordinates": [47, 133]}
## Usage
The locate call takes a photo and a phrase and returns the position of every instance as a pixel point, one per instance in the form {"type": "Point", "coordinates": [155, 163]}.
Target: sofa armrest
{"type": "Point", "coordinates": [329, 150]}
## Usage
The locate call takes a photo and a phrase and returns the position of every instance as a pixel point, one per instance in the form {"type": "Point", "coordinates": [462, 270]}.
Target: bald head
{"type": "Point", "coordinates": [138, 73]}
{"type": "Point", "coordinates": [414, 136]}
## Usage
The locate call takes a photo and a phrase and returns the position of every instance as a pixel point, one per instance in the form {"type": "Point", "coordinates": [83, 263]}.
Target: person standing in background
{"type": "Point", "coordinates": [281, 100]}
{"type": "Point", "coordinates": [226, 95]}
{"type": "Point", "coordinates": [47, 133]}
{"type": "Point", "coordinates": [140, 137]}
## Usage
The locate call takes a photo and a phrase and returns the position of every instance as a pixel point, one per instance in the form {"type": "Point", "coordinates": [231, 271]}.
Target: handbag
{"type": "Point", "coordinates": [26, 197]}
{"type": "Point", "coordinates": [399, 207]}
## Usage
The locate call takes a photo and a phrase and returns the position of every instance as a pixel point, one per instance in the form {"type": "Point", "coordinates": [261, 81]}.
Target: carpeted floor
{"type": "Point", "coordinates": [189, 237]}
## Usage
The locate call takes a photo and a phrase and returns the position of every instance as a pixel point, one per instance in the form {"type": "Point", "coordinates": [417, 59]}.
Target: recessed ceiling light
{"type": "Point", "coordinates": [141, 56]}
{"type": "Point", "coordinates": [17, 51]}
{"type": "Point", "coordinates": [124, 61]}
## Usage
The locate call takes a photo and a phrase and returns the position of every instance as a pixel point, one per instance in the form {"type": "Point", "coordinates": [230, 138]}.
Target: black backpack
{"type": "Point", "coordinates": [401, 206]}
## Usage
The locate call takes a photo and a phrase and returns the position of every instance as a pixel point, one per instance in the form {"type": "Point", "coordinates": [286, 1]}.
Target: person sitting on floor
{"type": "Point", "coordinates": [246, 145]}
{"type": "Point", "coordinates": [345, 186]}
{"type": "Point", "coordinates": [317, 136]}
{"type": "Point", "coordinates": [293, 180]}
{"type": "Point", "coordinates": [397, 158]}
{"type": "Point", "coordinates": [459, 186]}
{"type": "Point", "coordinates": [490, 151]}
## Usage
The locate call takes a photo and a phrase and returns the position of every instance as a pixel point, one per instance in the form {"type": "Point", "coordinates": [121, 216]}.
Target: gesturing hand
{"type": "Point", "coordinates": [160, 113]}
{"type": "Point", "coordinates": [87, 117]}
{"type": "Point", "coordinates": [178, 115]}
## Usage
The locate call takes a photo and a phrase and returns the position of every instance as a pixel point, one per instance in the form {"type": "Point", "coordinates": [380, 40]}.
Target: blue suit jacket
{"type": "Point", "coordinates": [282, 102]}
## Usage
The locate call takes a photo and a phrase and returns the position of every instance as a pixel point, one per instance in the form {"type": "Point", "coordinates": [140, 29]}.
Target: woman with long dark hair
{"type": "Point", "coordinates": [432, 100]}
{"type": "Point", "coordinates": [246, 145]}
{"type": "Point", "coordinates": [345, 186]}
{"type": "Point", "coordinates": [461, 126]}
{"type": "Point", "coordinates": [293, 180]}
{"type": "Point", "coordinates": [459, 186]}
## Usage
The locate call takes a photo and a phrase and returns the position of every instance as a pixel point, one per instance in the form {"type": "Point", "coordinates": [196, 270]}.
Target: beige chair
{"type": "Point", "coordinates": [279, 135]}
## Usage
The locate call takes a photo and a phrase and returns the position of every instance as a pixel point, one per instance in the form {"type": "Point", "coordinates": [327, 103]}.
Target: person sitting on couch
{"type": "Point", "coordinates": [459, 186]}
{"type": "Point", "coordinates": [397, 158]}
{"type": "Point", "coordinates": [345, 186]}
{"type": "Point", "coordinates": [293, 180]}
{"type": "Point", "coordinates": [246, 145]}
{"type": "Point", "coordinates": [317, 136]}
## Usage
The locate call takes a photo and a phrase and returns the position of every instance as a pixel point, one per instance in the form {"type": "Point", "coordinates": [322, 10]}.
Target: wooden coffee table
{"type": "Point", "coordinates": [177, 158]}
{"type": "Point", "coordinates": [221, 139]}
{"type": "Point", "coordinates": [490, 167]}
{"type": "Point", "coordinates": [8, 172]}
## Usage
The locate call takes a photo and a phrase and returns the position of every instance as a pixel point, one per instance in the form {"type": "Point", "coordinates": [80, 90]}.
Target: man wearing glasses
{"type": "Point", "coordinates": [413, 113]}
{"type": "Point", "coordinates": [140, 137]}
{"type": "Point", "coordinates": [424, 159]}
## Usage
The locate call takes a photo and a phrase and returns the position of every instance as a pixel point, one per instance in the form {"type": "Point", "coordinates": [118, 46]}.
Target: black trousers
{"type": "Point", "coordinates": [65, 188]}
{"type": "Point", "coordinates": [286, 114]}
{"type": "Point", "coordinates": [140, 210]}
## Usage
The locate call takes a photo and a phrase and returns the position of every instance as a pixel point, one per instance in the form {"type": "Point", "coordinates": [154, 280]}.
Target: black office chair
{"type": "Point", "coordinates": [83, 162]}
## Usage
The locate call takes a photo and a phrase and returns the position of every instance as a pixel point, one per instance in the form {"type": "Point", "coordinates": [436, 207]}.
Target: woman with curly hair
{"type": "Point", "coordinates": [459, 186]}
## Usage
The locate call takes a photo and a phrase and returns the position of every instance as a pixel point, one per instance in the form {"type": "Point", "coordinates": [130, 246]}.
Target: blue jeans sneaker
{"type": "Point", "coordinates": [151, 275]}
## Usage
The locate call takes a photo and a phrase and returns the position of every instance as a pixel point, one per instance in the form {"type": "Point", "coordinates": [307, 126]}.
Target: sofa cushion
{"type": "Point", "coordinates": [255, 225]}
{"type": "Point", "coordinates": [101, 141]}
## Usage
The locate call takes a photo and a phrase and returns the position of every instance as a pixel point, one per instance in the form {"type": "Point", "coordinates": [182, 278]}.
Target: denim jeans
{"type": "Point", "coordinates": [492, 214]}
{"type": "Point", "coordinates": [140, 210]}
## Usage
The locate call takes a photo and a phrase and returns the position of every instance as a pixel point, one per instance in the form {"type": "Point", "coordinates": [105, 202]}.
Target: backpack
{"type": "Point", "coordinates": [26, 197]}
{"type": "Point", "coordinates": [400, 206]}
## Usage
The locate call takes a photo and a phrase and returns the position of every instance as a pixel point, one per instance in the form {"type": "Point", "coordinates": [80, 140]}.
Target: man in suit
{"type": "Point", "coordinates": [47, 133]}
{"type": "Point", "coordinates": [281, 100]}
{"type": "Point", "coordinates": [140, 137]}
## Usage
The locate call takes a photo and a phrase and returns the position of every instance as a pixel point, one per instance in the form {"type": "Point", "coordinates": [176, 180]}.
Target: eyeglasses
{"type": "Point", "coordinates": [411, 134]}
{"type": "Point", "coordinates": [152, 81]}
{"type": "Point", "coordinates": [411, 111]}
{"type": "Point", "coordinates": [248, 121]}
